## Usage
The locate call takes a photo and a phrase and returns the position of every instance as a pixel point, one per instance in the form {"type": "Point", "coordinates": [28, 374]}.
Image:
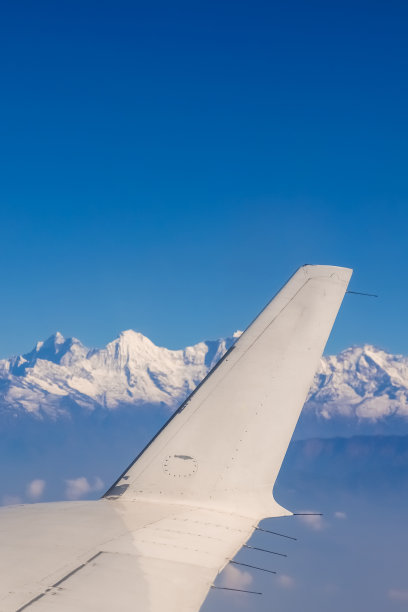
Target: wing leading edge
{"type": "Point", "coordinates": [189, 502]}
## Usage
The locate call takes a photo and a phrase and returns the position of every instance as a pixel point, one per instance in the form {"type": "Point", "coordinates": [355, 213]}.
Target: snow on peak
{"type": "Point", "coordinates": [362, 383]}
{"type": "Point", "coordinates": [131, 370]}
{"type": "Point", "coordinates": [132, 342]}
{"type": "Point", "coordinates": [132, 336]}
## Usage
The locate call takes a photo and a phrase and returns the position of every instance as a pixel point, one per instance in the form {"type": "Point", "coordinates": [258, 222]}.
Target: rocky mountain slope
{"type": "Point", "coordinates": [361, 384]}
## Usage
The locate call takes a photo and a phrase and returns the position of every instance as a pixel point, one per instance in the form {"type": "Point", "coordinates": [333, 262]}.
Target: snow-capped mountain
{"type": "Point", "coordinates": [61, 373]}
{"type": "Point", "coordinates": [364, 382]}
{"type": "Point", "coordinates": [360, 385]}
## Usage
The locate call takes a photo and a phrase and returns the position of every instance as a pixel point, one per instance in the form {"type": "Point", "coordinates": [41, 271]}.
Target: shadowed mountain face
{"type": "Point", "coordinates": [363, 390]}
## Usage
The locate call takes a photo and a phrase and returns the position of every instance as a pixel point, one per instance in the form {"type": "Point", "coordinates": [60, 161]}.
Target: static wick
{"type": "Point", "coordinates": [271, 552]}
{"type": "Point", "coordinates": [361, 293]}
{"type": "Point", "coordinates": [237, 590]}
{"type": "Point", "coordinates": [307, 514]}
{"type": "Point", "coordinates": [282, 535]}
{"type": "Point", "coordinates": [262, 569]}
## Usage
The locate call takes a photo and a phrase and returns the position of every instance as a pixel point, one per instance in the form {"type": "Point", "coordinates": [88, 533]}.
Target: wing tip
{"type": "Point", "coordinates": [337, 272]}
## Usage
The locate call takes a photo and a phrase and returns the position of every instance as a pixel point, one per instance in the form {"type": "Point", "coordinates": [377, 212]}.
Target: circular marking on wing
{"type": "Point", "coordinates": [180, 466]}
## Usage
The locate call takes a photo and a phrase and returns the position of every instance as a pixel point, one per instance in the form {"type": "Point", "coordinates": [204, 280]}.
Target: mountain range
{"type": "Point", "coordinates": [363, 388]}
{"type": "Point", "coordinates": [72, 419]}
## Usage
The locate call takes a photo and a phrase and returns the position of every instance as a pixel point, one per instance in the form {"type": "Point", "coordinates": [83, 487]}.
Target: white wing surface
{"type": "Point", "coordinates": [187, 504]}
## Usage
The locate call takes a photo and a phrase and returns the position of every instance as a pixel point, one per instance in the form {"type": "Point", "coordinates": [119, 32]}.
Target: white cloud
{"type": "Point", "coordinates": [340, 515]}
{"type": "Point", "coordinates": [234, 578]}
{"type": "Point", "coordinates": [287, 582]}
{"type": "Point", "coordinates": [78, 487]}
{"type": "Point", "coordinates": [398, 594]}
{"type": "Point", "coordinates": [314, 521]}
{"type": "Point", "coordinates": [35, 489]}
{"type": "Point", "coordinates": [11, 500]}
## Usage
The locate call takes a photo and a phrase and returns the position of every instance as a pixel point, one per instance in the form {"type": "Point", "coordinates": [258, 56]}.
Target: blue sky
{"type": "Point", "coordinates": [166, 166]}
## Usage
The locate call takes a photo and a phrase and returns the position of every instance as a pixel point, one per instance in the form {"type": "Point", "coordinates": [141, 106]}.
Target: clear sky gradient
{"type": "Point", "coordinates": [165, 166]}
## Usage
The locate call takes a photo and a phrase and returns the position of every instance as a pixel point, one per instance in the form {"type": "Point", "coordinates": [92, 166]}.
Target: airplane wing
{"type": "Point", "coordinates": [158, 538]}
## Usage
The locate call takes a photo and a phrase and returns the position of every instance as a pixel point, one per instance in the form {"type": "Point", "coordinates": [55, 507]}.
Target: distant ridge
{"type": "Point", "coordinates": [363, 388]}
